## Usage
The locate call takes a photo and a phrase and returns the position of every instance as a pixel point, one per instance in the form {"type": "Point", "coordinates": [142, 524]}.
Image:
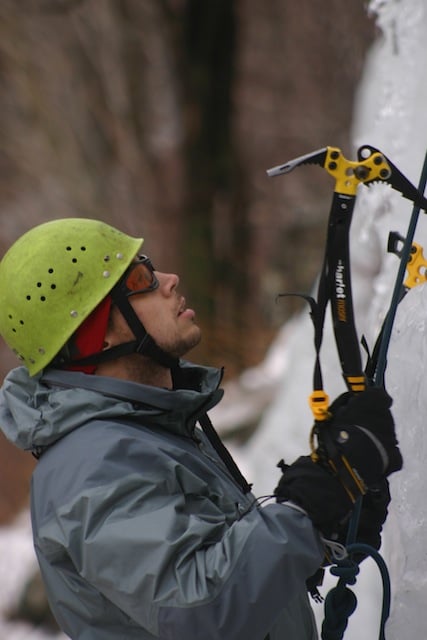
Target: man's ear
{"type": "Point", "coordinates": [110, 338]}
{"type": "Point", "coordinates": [117, 331]}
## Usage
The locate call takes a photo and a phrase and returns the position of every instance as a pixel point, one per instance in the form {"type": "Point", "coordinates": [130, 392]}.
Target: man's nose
{"type": "Point", "coordinates": [168, 281]}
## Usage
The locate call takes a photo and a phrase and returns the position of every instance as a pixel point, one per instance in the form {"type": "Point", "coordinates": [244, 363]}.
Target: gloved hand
{"type": "Point", "coordinates": [362, 429]}
{"type": "Point", "coordinates": [373, 514]}
{"type": "Point", "coordinates": [318, 491]}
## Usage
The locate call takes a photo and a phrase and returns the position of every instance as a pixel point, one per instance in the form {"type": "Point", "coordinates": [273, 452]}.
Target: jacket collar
{"type": "Point", "coordinates": [197, 393]}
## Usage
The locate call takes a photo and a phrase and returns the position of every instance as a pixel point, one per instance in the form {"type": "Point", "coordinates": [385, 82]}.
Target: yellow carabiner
{"type": "Point", "coordinates": [319, 404]}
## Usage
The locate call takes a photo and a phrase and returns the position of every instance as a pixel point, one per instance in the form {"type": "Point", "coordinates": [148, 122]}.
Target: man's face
{"type": "Point", "coordinates": [164, 314]}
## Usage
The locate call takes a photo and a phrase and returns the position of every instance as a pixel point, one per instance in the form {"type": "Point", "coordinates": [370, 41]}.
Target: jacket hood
{"type": "Point", "coordinates": [37, 411]}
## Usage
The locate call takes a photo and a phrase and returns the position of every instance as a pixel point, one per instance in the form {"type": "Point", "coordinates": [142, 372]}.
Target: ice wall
{"type": "Point", "coordinates": [395, 93]}
{"type": "Point", "coordinates": [406, 532]}
{"type": "Point", "coordinates": [390, 114]}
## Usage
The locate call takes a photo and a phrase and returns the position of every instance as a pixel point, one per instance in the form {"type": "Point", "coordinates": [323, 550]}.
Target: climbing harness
{"type": "Point", "coordinates": [334, 288]}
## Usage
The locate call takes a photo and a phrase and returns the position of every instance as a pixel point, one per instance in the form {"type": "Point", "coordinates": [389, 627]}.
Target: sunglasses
{"type": "Point", "coordinates": [138, 278]}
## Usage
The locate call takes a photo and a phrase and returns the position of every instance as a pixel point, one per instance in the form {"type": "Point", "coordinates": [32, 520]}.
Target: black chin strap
{"type": "Point", "coordinates": [145, 347]}
{"type": "Point", "coordinates": [143, 344]}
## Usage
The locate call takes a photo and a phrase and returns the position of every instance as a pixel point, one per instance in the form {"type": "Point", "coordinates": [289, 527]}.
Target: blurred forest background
{"type": "Point", "coordinates": [161, 117]}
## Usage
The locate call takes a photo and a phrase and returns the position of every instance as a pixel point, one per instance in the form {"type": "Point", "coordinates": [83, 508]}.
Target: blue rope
{"type": "Point", "coordinates": [341, 602]}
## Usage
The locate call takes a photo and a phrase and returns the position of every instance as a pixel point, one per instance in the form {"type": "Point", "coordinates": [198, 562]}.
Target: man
{"type": "Point", "coordinates": [143, 525]}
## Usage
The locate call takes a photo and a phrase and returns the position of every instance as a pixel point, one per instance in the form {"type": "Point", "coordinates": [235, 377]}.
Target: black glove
{"type": "Point", "coordinates": [327, 503]}
{"type": "Point", "coordinates": [361, 428]}
{"type": "Point", "coordinates": [318, 491]}
{"type": "Point", "coordinates": [373, 514]}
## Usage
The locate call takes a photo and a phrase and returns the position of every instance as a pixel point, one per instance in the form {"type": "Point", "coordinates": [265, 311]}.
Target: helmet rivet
{"type": "Point", "coordinates": [106, 274]}
{"type": "Point", "coordinates": [74, 313]}
{"type": "Point", "coordinates": [41, 350]}
{"type": "Point", "coordinates": [119, 256]}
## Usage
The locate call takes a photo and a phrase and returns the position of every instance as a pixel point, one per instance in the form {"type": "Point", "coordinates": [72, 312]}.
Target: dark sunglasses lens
{"type": "Point", "coordinates": [139, 278]}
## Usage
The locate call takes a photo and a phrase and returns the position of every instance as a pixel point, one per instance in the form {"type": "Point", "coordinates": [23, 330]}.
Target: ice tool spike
{"type": "Point", "coordinates": [372, 166]}
{"type": "Point", "coordinates": [316, 157]}
{"type": "Point", "coordinates": [396, 179]}
{"type": "Point", "coordinates": [348, 175]}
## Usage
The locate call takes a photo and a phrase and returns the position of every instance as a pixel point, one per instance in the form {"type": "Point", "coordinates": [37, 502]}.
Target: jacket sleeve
{"type": "Point", "coordinates": [153, 540]}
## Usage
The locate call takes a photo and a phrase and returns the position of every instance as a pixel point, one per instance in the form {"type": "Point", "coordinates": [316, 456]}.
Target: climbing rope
{"type": "Point", "coordinates": [341, 601]}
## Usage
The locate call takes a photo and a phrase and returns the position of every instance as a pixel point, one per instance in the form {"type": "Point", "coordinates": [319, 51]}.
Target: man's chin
{"type": "Point", "coordinates": [190, 343]}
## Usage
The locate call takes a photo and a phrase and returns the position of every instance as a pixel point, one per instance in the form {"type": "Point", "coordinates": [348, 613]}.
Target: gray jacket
{"type": "Point", "coordinates": [139, 528]}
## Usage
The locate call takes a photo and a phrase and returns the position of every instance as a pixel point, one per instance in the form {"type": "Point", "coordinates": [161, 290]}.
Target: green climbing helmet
{"type": "Point", "coordinates": [52, 278]}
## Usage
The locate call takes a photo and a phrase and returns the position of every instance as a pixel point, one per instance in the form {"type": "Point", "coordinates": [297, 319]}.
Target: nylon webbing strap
{"type": "Point", "coordinates": [144, 342]}
{"type": "Point", "coordinates": [223, 452]}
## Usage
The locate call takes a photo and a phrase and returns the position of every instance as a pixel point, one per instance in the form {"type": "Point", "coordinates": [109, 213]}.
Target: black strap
{"type": "Point", "coordinates": [223, 453]}
{"type": "Point", "coordinates": [145, 344]}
